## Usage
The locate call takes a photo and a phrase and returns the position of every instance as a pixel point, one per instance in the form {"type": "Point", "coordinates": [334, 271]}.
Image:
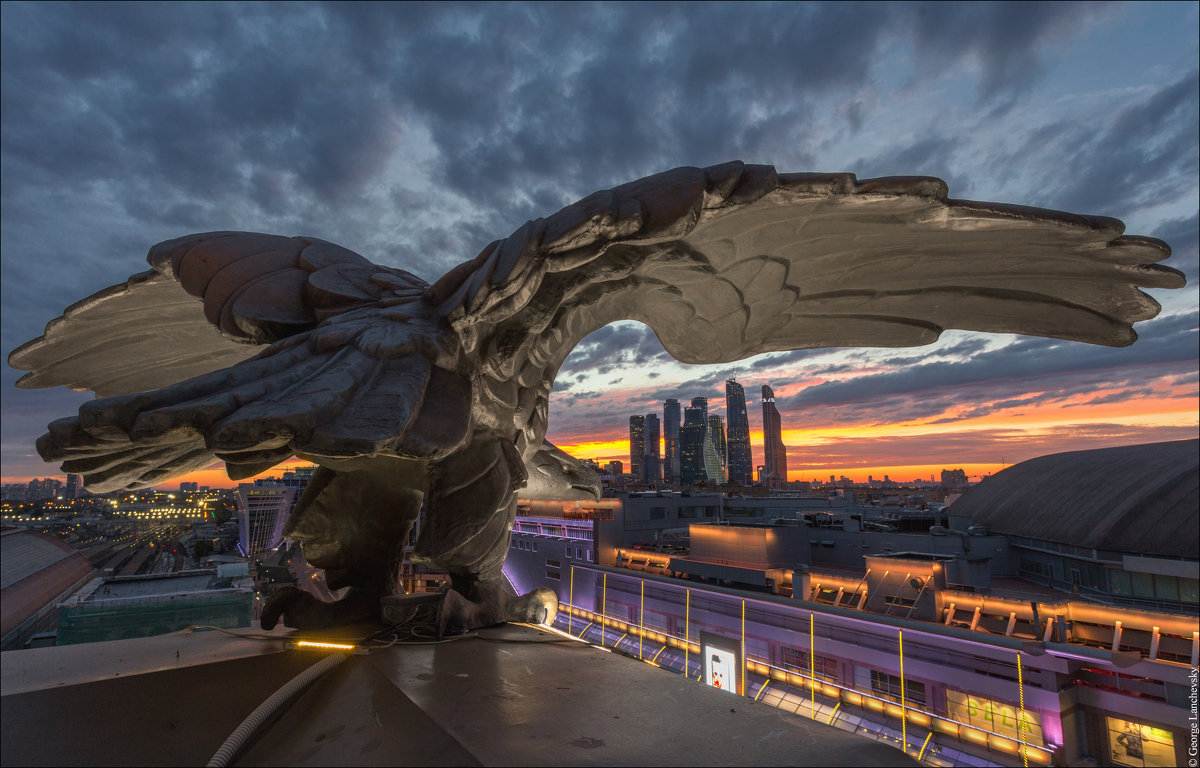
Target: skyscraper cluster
{"type": "Point", "coordinates": [700, 447]}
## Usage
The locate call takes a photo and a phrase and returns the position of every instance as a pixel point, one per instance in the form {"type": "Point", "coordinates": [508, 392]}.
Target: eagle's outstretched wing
{"type": "Point", "coordinates": [210, 301]}
{"type": "Point", "coordinates": [736, 260]}
{"type": "Point", "coordinates": [344, 372]}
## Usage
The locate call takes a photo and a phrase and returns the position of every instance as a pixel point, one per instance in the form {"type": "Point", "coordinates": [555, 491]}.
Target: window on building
{"type": "Point", "coordinates": [655, 620]}
{"type": "Point", "coordinates": [687, 512]}
{"type": "Point", "coordinates": [534, 546]}
{"type": "Point", "coordinates": [1093, 576]}
{"type": "Point", "coordinates": [553, 563]}
{"type": "Point", "coordinates": [658, 513]}
{"type": "Point", "coordinates": [797, 660]}
{"type": "Point", "coordinates": [757, 649]}
{"type": "Point", "coordinates": [1188, 590]}
{"type": "Point", "coordinates": [1166, 587]}
{"type": "Point", "coordinates": [1143, 585]}
{"type": "Point", "coordinates": [1119, 582]}
{"type": "Point", "coordinates": [889, 686]}
{"type": "Point", "coordinates": [552, 575]}
{"type": "Point", "coordinates": [1139, 745]}
{"type": "Point", "coordinates": [1000, 717]}
{"type": "Point", "coordinates": [710, 511]}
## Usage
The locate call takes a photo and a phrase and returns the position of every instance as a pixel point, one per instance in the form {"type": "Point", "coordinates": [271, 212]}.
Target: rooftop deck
{"type": "Point", "coordinates": [511, 696]}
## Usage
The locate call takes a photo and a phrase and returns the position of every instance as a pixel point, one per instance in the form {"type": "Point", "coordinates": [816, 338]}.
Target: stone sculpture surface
{"type": "Point", "coordinates": [252, 348]}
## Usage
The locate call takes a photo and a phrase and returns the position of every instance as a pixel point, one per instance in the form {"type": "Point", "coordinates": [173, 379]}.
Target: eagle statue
{"type": "Point", "coordinates": [252, 349]}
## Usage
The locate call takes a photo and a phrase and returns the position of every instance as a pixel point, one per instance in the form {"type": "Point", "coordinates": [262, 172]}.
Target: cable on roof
{"type": "Point", "coordinates": [224, 756]}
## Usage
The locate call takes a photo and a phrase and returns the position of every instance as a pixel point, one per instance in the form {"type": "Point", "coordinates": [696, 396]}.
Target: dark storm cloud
{"type": "Point", "coordinates": [1006, 41]}
{"type": "Point", "coordinates": [23, 423]}
{"type": "Point", "coordinates": [962, 349]}
{"type": "Point", "coordinates": [1183, 235]}
{"type": "Point", "coordinates": [1169, 339]}
{"type": "Point", "coordinates": [1126, 155]}
{"type": "Point", "coordinates": [788, 358]}
{"type": "Point", "coordinates": [614, 346]}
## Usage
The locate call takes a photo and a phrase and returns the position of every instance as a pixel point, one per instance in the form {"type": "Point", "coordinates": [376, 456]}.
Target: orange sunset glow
{"type": "Point", "coordinates": [856, 451]}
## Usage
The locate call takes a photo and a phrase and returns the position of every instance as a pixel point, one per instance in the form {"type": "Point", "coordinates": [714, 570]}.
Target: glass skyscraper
{"type": "Point", "coordinates": [714, 450]}
{"type": "Point", "coordinates": [637, 445]}
{"type": "Point", "coordinates": [652, 461]}
{"type": "Point", "coordinates": [691, 440]}
{"type": "Point", "coordinates": [741, 458]}
{"type": "Point", "coordinates": [671, 424]}
{"type": "Point", "coordinates": [775, 460]}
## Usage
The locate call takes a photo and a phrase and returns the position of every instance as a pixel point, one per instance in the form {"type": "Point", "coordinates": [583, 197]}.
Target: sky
{"type": "Point", "coordinates": [415, 134]}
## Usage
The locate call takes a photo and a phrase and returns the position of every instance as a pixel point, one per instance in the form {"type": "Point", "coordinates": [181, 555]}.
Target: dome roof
{"type": "Point", "coordinates": [36, 569]}
{"type": "Point", "coordinates": [1137, 499]}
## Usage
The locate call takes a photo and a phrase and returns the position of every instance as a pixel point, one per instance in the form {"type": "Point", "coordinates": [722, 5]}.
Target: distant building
{"type": "Point", "coordinates": [671, 424]}
{"type": "Point", "coordinates": [637, 445]}
{"type": "Point", "coordinates": [298, 477]}
{"type": "Point", "coordinates": [954, 480]}
{"type": "Point", "coordinates": [262, 513]}
{"type": "Point", "coordinates": [1116, 524]}
{"type": "Point", "coordinates": [741, 457]}
{"type": "Point", "coordinates": [691, 445]}
{"type": "Point", "coordinates": [775, 453]}
{"type": "Point", "coordinates": [140, 606]}
{"type": "Point", "coordinates": [714, 450]}
{"type": "Point", "coordinates": [614, 467]}
{"type": "Point", "coordinates": [38, 489]}
{"type": "Point", "coordinates": [652, 461]}
{"type": "Point", "coordinates": [39, 570]}
{"type": "Point", "coordinates": [74, 487]}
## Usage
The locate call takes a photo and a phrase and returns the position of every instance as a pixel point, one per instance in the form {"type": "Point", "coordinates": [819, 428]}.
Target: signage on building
{"type": "Point", "coordinates": [722, 661]}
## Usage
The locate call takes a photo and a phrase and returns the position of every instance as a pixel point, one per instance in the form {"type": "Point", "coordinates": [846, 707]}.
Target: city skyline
{"type": "Point", "coordinates": [128, 125]}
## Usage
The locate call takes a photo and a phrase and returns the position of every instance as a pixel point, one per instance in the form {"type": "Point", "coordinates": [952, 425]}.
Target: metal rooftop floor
{"type": "Point", "coordinates": [507, 697]}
